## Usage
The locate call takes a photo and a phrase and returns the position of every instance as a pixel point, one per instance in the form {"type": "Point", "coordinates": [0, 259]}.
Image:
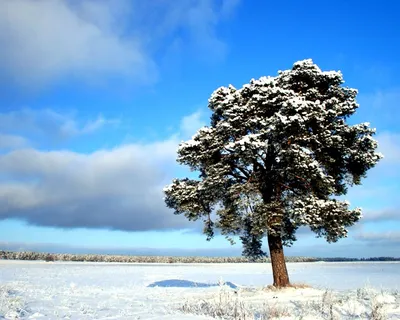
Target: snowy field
{"type": "Point", "coordinates": [71, 290]}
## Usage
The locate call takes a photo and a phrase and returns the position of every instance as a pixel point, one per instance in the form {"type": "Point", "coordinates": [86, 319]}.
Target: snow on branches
{"type": "Point", "coordinates": [276, 152]}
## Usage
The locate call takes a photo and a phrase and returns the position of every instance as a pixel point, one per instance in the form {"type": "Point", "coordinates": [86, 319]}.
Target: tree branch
{"type": "Point", "coordinates": [245, 173]}
{"type": "Point", "coordinates": [239, 177]}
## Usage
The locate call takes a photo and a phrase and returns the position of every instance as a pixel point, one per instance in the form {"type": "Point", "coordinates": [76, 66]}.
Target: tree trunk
{"type": "Point", "coordinates": [279, 271]}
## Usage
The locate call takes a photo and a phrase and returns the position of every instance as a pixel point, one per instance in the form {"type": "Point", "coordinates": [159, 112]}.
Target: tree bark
{"type": "Point", "coordinates": [279, 270]}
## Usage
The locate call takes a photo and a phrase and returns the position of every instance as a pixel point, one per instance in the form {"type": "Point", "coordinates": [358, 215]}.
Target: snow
{"type": "Point", "coordinates": [78, 290]}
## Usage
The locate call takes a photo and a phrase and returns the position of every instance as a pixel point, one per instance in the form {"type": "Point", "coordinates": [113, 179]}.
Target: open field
{"type": "Point", "coordinates": [85, 290]}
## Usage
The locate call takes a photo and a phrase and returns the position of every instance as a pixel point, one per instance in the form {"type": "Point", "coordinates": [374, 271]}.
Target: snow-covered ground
{"type": "Point", "coordinates": [70, 290]}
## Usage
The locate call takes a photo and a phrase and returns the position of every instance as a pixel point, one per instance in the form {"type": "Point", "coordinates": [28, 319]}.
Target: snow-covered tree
{"type": "Point", "coordinates": [276, 155]}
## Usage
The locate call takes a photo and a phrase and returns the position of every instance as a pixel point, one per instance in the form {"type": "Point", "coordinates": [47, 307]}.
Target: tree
{"type": "Point", "coordinates": [251, 242]}
{"type": "Point", "coordinates": [277, 154]}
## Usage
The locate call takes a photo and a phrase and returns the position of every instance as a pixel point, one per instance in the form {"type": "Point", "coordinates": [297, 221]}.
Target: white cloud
{"type": "Point", "coordinates": [9, 141]}
{"type": "Point", "coordinates": [45, 40]}
{"type": "Point", "coordinates": [198, 19]}
{"type": "Point", "coordinates": [392, 237]}
{"type": "Point", "coordinates": [377, 195]}
{"type": "Point", "coordinates": [192, 123]}
{"type": "Point", "coordinates": [47, 123]}
{"type": "Point", "coordinates": [385, 214]}
{"type": "Point", "coordinates": [229, 7]}
{"type": "Point", "coordinates": [70, 127]}
{"type": "Point", "coordinates": [389, 146]}
{"type": "Point", "coordinates": [383, 103]}
{"type": "Point", "coordinates": [118, 188]}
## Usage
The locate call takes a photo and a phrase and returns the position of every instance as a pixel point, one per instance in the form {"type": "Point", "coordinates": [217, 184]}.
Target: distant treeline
{"type": "Point", "coordinates": [341, 259]}
{"type": "Point", "coordinates": [22, 255]}
{"type": "Point", "coordinates": [12, 255]}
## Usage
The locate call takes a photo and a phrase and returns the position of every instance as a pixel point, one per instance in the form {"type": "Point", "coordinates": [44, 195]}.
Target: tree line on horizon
{"type": "Point", "coordinates": [44, 256]}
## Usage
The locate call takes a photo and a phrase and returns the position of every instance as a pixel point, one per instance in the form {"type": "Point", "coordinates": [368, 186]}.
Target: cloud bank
{"type": "Point", "coordinates": [118, 188]}
{"type": "Point", "coordinates": [19, 126]}
{"type": "Point", "coordinates": [44, 41]}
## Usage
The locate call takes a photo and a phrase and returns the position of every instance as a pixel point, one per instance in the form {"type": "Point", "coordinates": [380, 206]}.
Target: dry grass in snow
{"type": "Point", "coordinates": [297, 302]}
{"type": "Point", "coordinates": [12, 306]}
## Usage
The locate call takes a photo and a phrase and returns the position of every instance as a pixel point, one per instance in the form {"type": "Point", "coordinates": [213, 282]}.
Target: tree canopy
{"type": "Point", "coordinates": [277, 154]}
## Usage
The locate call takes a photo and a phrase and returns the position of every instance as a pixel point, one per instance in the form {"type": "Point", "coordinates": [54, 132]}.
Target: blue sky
{"type": "Point", "coordinates": [96, 96]}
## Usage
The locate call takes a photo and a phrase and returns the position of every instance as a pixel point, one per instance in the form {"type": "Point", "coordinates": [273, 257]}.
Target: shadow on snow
{"type": "Point", "coordinates": [187, 284]}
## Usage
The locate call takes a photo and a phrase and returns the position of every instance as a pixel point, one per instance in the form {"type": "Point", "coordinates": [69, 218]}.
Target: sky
{"type": "Point", "coordinates": [96, 95]}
